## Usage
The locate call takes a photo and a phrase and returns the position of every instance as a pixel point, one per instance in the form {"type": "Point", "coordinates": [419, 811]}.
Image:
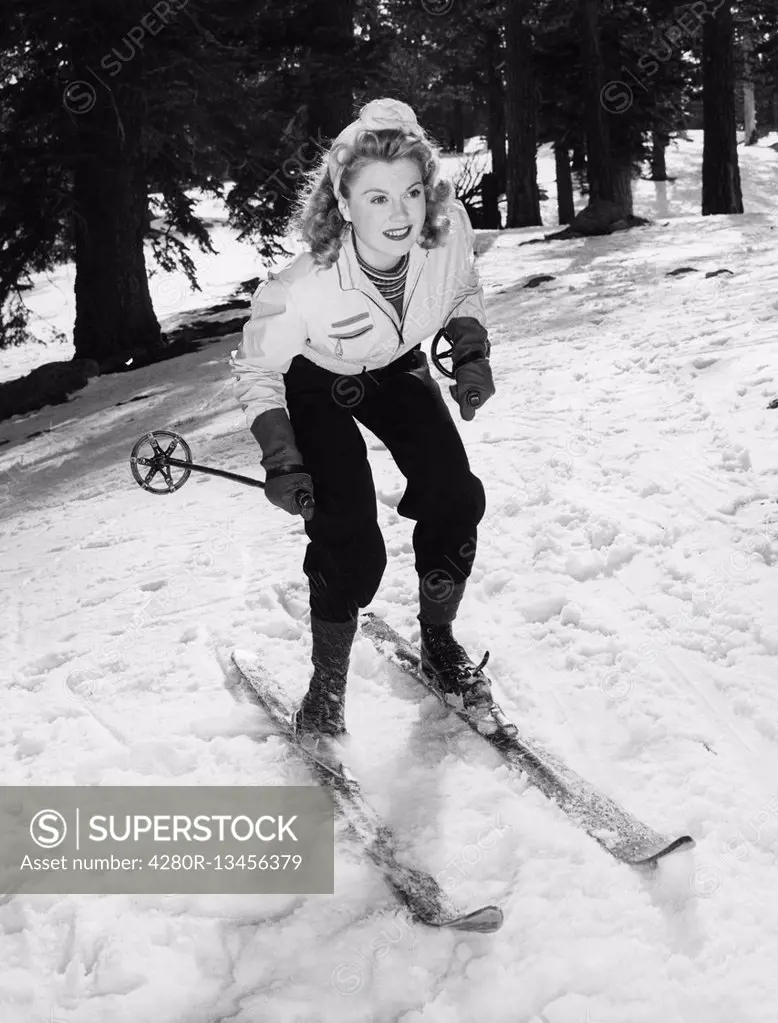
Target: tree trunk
{"type": "Point", "coordinates": [564, 184]}
{"type": "Point", "coordinates": [659, 143]}
{"type": "Point", "coordinates": [599, 162]}
{"type": "Point", "coordinates": [114, 314]}
{"type": "Point", "coordinates": [749, 98]}
{"type": "Point", "coordinates": [457, 127]}
{"type": "Point", "coordinates": [331, 98]}
{"type": "Point", "coordinates": [490, 205]}
{"type": "Point", "coordinates": [720, 171]}
{"type": "Point", "coordinates": [578, 166]}
{"type": "Point", "coordinates": [520, 117]}
{"type": "Point", "coordinates": [496, 100]}
{"type": "Point", "coordinates": [622, 188]}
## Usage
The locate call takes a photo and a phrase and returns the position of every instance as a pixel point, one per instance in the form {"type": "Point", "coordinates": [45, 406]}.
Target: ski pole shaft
{"type": "Point", "coordinates": [179, 464]}
{"type": "Point", "coordinates": [302, 497]}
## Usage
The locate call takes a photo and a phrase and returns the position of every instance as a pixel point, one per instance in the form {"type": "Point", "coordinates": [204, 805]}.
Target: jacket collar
{"type": "Point", "coordinates": [352, 278]}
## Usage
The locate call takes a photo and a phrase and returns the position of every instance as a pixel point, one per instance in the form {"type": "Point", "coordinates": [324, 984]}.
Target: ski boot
{"type": "Point", "coordinates": [321, 712]}
{"type": "Point", "coordinates": [461, 683]}
{"type": "Point", "coordinates": [319, 723]}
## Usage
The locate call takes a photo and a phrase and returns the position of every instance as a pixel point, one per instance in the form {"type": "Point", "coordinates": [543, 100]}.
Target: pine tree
{"type": "Point", "coordinates": [759, 19]}
{"type": "Point", "coordinates": [720, 170]}
{"type": "Point", "coordinates": [111, 108]}
{"type": "Point", "coordinates": [599, 155]}
{"type": "Point", "coordinates": [521, 118]}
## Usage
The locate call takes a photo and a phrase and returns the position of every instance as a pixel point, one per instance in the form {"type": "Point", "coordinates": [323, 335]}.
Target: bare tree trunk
{"type": "Point", "coordinates": [659, 142]}
{"type": "Point", "coordinates": [564, 184]}
{"type": "Point", "coordinates": [622, 188]}
{"type": "Point", "coordinates": [496, 99]}
{"type": "Point", "coordinates": [114, 313]}
{"type": "Point", "coordinates": [520, 117]}
{"type": "Point", "coordinates": [599, 161]}
{"type": "Point", "coordinates": [749, 98]}
{"type": "Point", "coordinates": [578, 165]}
{"type": "Point", "coordinates": [720, 171]}
{"type": "Point", "coordinates": [749, 114]}
{"type": "Point", "coordinates": [457, 126]}
{"type": "Point", "coordinates": [490, 203]}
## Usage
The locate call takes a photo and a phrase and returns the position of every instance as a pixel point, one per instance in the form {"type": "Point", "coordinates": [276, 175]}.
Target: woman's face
{"type": "Point", "coordinates": [386, 209]}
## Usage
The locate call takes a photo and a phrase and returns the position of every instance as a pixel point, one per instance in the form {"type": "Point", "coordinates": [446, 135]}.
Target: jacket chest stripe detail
{"type": "Point", "coordinates": [351, 319]}
{"type": "Point", "coordinates": [353, 334]}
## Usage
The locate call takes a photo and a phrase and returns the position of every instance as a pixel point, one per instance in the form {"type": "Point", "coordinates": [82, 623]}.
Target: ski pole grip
{"type": "Point", "coordinates": [473, 399]}
{"type": "Point", "coordinates": [304, 500]}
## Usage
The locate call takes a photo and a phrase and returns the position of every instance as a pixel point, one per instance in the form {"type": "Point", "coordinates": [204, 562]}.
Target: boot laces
{"type": "Point", "coordinates": [471, 673]}
{"type": "Point", "coordinates": [480, 667]}
{"type": "Point", "coordinates": [468, 674]}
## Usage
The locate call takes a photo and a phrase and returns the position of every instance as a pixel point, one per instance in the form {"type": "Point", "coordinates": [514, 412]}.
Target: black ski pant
{"type": "Point", "coordinates": [403, 406]}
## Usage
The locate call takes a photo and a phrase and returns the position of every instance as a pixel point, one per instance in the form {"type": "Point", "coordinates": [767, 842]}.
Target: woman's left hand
{"type": "Point", "coordinates": [472, 379]}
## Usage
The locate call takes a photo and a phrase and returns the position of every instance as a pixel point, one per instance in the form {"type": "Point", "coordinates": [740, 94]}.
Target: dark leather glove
{"type": "Point", "coordinates": [291, 489]}
{"type": "Point", "coordinates": [469, 340]}
{"type": "Point", "coordinates": [287, 484]}
{"type": "Point", "coordinates": [474, 386]}
{"type": "Point", "coordinates": [272, 430]}
{"type": "Point", "coordinates": [470, 350]}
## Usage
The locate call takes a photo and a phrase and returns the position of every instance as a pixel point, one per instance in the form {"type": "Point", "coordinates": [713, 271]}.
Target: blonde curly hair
{"type": "Point", "coordinates": [317, 216]}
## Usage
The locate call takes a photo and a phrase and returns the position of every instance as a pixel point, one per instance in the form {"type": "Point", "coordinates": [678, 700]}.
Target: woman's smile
{"type": "Point", "coordinates": [398, 233]}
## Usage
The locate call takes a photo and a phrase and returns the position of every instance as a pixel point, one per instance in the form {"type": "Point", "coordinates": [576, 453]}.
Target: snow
{"type": "Point", "coordinates": [624, 585]}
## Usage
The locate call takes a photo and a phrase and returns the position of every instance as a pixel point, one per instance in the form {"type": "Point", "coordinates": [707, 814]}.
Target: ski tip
{"type": "Point", "coordinates": [486, 920]}
{"type": "Point", "coordinates": [652, 858]}
{"type": "Point", "coordinates": [238, 667]}
{"type": "Point", "coordinates": [679, 845]}
{"type": "Point", "coordinates": [247, 661]}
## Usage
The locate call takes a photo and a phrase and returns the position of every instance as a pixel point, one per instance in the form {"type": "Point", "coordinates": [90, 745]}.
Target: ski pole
{"type": "Point", "coordinates": [160, 461]}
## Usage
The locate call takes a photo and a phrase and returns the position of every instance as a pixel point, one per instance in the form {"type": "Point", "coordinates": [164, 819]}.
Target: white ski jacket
{"type": "Point", "coordinates": [338, 319]}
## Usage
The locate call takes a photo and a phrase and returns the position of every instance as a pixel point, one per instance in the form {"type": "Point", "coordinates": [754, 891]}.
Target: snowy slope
{"type": "Point", "coordinates": [625, 585]}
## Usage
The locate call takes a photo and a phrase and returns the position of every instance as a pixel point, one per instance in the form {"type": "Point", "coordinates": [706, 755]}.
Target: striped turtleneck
{"type": "Point", "coordinates": [390, 283]}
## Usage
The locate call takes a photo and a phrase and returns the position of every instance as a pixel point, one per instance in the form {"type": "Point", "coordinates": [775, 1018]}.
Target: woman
{"type": "Point", "coordinates": [334, 340]}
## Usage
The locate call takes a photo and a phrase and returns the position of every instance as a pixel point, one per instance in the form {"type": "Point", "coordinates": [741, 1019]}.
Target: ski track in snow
{"type": "Point", "coordinates": [624, 585]}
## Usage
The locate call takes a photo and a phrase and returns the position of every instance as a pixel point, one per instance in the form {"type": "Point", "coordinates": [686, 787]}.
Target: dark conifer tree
{"type": "Point", "coordinates": [720, 170]}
